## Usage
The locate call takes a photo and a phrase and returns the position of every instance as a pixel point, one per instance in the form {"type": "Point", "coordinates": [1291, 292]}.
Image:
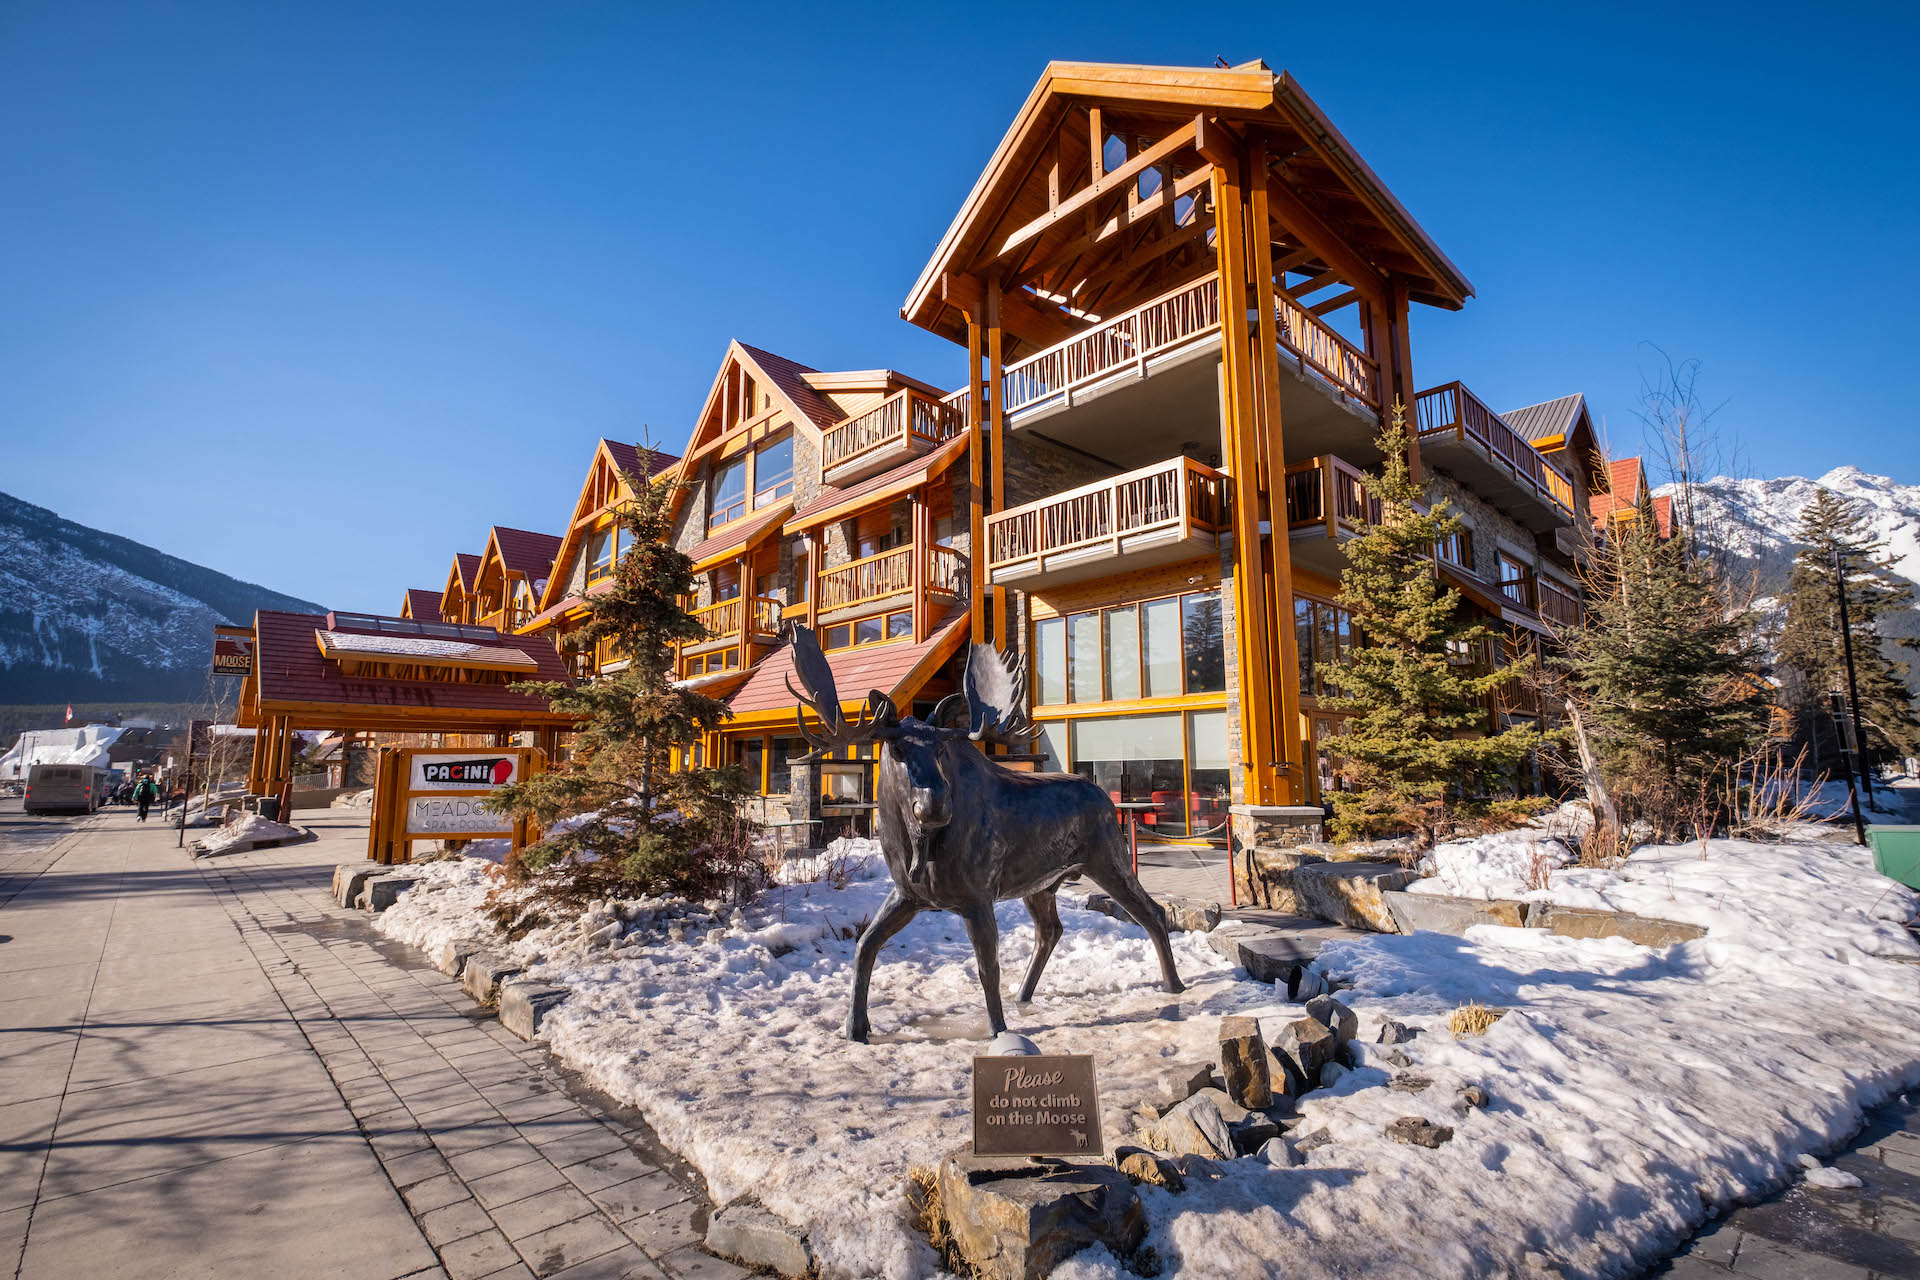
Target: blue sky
{"type": "Point", "coordinates": [313, 293]}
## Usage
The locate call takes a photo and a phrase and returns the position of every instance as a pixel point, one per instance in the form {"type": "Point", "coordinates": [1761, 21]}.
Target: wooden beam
{"type": "Point", "coordinates": [1314, 285]}
{"type": "Point", "coordinates": [1292, 213]}
{"type": "Point", "coordinates": [1336, 302]}
{"type": "Point", "coordinates": [1031, 322]}
{"type": "Point", "coordinates": [976, 522]}
{"type": "Point", "coordinates": [1177, 141]}
{"type": "Point", "coordinates": [1066, 253]}
{"type": "Point", "coordinates": [996, 366]}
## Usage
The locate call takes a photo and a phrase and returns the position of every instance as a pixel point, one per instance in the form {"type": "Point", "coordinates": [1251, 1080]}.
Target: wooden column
{"type": "Point", "coordinates": [976, 498]}
{"type": "Point", "coordinates": [996, 366]}
{"type": "Point", "coordinates": [816, 548]}
{"type": "Point", "coordinates": [1402, 385]}
{"type": "Point", "coordinates": [1284, 653]}
{"type": "Point", "coordinates": [922, 537]}
{"type": "Point", "coordinates": [1240, 421]}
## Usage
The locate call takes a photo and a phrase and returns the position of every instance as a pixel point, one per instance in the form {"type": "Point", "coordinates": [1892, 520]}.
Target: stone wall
{"type": "Point", "coordinates": [1490, 528]}
{"type": "Point", "coordinates": [1037, 468]}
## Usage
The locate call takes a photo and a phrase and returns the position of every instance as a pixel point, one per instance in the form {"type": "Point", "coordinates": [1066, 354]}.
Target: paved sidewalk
{"type": "Point", "coordinates": [210, 1070]}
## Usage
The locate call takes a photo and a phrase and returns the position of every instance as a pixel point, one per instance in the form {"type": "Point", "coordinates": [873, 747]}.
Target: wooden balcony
{"type": "Point", "coordinates": [1460, 433]}
{"type": "Point", "coordinates": [1324, 354]}
{"type": "Point", "coordinates": [722, 621]}
{"type": "Point", "coordinates": [861, 584]}
{"type": "Point", "coordinates": [1557, 606]}
{"type": "Point", "coordinates": [903, 426]}
{"type": "Point", "coordinates": [1121, 349]}
{"type": "Point", "coordinates": [1326, 504]}
{"type": "Point", "coordinates": [1157, 515]}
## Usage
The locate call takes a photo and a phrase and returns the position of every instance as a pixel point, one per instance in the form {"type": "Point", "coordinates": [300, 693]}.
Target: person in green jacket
{"type": "Point", "coordinates": [144, 793]}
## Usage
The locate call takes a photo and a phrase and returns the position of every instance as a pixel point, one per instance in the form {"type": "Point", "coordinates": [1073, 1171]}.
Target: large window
{"type": "Point", "coordinates": [1170, 770]}
{"type": "Point", "coordinates": [602, 551]}
{"type": "Point", "coordinates": [1457, 548]}
{"type": "Point", "coordinates": [1323, 635]}
{"type": "Point", "coordinates": [1157, 649]}
{"type": "Point", "coordinates": [773, 471]}
{"type": "Point", "coordinates": [729, 493]}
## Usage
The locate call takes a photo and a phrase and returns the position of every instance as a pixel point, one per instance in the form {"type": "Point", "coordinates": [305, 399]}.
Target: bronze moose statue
{"type": "Point", "coordinates": [960, 832]}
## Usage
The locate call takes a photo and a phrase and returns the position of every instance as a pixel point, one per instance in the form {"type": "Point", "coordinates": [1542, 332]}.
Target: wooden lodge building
{"type": "Point", "coordinates": [1181, 304]}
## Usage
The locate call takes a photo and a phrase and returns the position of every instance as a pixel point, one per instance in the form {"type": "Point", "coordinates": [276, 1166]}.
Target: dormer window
{"type": "Point", "coordinates": [773, 471]}
{"type": "Point", "coordinates": [729, 493]}
{"type": "Point", "coordinates": [602, 550]}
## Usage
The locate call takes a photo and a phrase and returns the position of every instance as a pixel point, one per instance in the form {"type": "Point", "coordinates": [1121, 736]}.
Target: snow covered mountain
{"type": "Point", "coordinates": [1756, 520]}
{"type": "Point", "coordinates": [86, 615]}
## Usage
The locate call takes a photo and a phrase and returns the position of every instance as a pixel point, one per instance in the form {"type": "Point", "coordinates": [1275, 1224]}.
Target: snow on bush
{"type": "Point", "coordinates": [1632, 1092]}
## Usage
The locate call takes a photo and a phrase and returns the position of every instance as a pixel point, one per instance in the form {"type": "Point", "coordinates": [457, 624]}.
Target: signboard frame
{"type": "Point", "coordinates": [401, 782]}
{"type": "Point", "coordinates": [1077, 1073]}
{"type": "Point", "coordinates": [234, 645]}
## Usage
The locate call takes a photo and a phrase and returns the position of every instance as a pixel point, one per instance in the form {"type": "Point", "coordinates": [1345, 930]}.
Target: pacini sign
{"type": "Point", "coordinates": [462, 772]}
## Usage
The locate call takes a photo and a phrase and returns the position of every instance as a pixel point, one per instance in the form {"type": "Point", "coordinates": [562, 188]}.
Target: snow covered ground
{"type": "Point", "coordinates": [1632, 1091]}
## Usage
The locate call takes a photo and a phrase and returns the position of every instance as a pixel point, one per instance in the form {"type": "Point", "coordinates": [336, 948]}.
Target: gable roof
{"type": "Point", "coordinates": [888, 484]}
{"type": "Point", "coordinates": [524, 552]}
{"type": "Point", "coordinates": [741, 535]}
{"type": "Point", "coordinates": [786, 380]}
{"type": "Point", "coordinates": [624, 460]}
{"type": "Point", "coordinates": [626, 457]}
{"type": "Point", "coordinates": [790, 378]}
{"type": "Point", "coordinates": [421, 603]}
{"type": "Point", "coordinates": [468, 567]}
{"type": "Point", "coordinates": [897, 670]}
{"type": "Point", "coordinates": [1547, 419]}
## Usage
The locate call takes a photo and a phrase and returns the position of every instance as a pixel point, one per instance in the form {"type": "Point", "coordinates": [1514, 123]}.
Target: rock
{"type": "Point", "coordinates": [1281, 1154]}
{"type": "Point", "coordinates": [381, 892]}
{"type": "Point", "coordinates": [1330, 1075]}
{"type": "Point", "coordinates": [1419, 1132]}
{"type": "Point", "coordinates": [1396, 1058]}
{"type": "Point", "coordinates": [1276, 953]}
{"type": "Point", "coordinates": [1195, 1127]}
{"type": "Point", "coordinates": [1008, 1044]}
{"type": "Point", "coordinates": [1580, 922]}
{"type": "Point", "coordinates": [749, 1233]}
{"type": "Point", "coordinates": [1473, 1096]}
{"type": "Point", "coordinates": [1188, 916]}
{"type": "Point", "coordinates": [1303, 1047]}
{"type": "Point", "coordinates": [1405, 1083]}
{"type": "Point", "coordinates": [1335, 1017]}
{"type": "Point", "coordinates": [451, 956]}
{"type": "Point", "coordinates": [481, 978]}
{"type": "Point", "coordinates": [1194, 1167]}
{"type": "Point", "coordinates": [1309, 985]}
{"type": "Point", "coordinates": [1312, 1142]}
{"type": "Point", "coordinates": [525, 1004]}
{"type": "Point", "coordinates": [1443, 913]}
{"type": "Point", "coordinates": [1012, 1220]}
{"type": "Point", "coordinates": [1392, 1032]}
{"type": "Point", "coordinates": [1249, 1128]}
{"type": "Point", "coordinates": [1348, 893]}
{"type": "Point", "coordinates": [349, 878]}
{"type": "Point", "coordinates": [1243, 1062]}
{"type": "Point", "coordinates": [1177, 1083]}
{"type": "Point", "coordinates": [1142, 1166]}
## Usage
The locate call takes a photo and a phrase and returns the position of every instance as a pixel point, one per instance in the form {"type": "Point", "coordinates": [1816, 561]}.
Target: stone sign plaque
{"type": "Point", "coordinates": [1047, 1105]}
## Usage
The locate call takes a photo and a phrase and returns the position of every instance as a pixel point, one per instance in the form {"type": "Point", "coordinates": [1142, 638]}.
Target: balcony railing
{"type": "Point", "coordinates": [1180, 495]}
{"type": "Point", "coordinates": [1452, 410]}
{"type": "Point", "coordinates": [1131, 338]}
{"type": "Point", "coordinates": [1520, 587]}
{"type": "Point", "coordinates": [1557, 606]}
{"type": "Point", "coordinates": [1320, 350]}
{"type": "Point", "coordinates": [1327, 493]}
{"type": "Point", "coordinates": [890, 573]}
{"type": "Point", "coordinates": [946, 571]}
{"type": "Point", "coordinates": [722, 618]}
{"type": "Point", "coordinates": [904, 414]}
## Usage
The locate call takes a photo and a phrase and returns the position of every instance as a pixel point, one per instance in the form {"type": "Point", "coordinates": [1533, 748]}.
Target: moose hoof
{"type": "Point", "coordinates": [1175, 987]}
{"type": "Point", "coordinates": [857, 1030]}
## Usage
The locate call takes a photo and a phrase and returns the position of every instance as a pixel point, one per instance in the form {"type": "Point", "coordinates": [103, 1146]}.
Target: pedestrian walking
{"type": "Point", "coordinates": [144, 792]}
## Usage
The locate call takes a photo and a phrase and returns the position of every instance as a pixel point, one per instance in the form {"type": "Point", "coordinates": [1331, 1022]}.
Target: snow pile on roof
{"type": "Point", "coordinates": [1633, 1092]}
{"type": "Point", "coordinates": [88, 745]}
{"type": "Point", "coordinates": [402, 646]}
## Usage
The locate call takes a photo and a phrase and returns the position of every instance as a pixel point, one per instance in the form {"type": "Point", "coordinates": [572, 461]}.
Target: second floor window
{"type": "Point", "coordinates": [729, 493]}
{"type": "Point", "coordinates": [773, 472]}
{"type": "Point", "coordinates": [1457, 549]}
{"type": "Point", "coordinates": [726, 584]}
{"type": "Point", "coordinates": [1516, 579]}
{"type": "Point", "coordinates": [601, 551]}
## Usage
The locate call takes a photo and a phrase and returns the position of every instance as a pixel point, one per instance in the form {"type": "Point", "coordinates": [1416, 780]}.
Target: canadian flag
{"type": "Point", "coordinates": [69, 713]}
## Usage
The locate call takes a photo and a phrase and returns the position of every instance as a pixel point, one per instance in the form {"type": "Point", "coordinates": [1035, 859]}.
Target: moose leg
{"type": "Point", "coordinates": [1121, 886]}
{"type": "Point", "coordinates": [984, 931]}
{"type": "Point", "coordinates": [1046, 932]}
{"type": "Point", "coordinates": [889, 920]}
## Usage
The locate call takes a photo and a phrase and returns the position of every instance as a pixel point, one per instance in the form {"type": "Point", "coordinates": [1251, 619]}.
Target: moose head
{"type": "Point", "coordinates": [960, 832]}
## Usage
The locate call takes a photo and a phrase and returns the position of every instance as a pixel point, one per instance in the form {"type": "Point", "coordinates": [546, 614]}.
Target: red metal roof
{"type": "Point", "coordinates": [627, 458]}
{"type": "Point", "coordinates": [291, 669]}
{"type": "Point", "coordinates": [422, 603]}
{"type": "Point", "coordinates": [906, 471]}
{"type": "Point", "coordinates": [526, 553]}
{"type": "Point", "coordinates": [743, 533]}
{"type": "Point", "coordinates": [787, 375]}
{"type": "Point", "coordinates": [875, 666]}
{"type": "Point", "coordinates": [469, 567]}
{"type": "Point", "coordinates": [571, 602]}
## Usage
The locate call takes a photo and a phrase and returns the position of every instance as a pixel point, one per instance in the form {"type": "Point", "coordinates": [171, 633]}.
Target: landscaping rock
{"type": "Point", "coordinates": [1303, 1047]}
{"type": "Point", "coordinates": [1243, 1062]}
{"type": "Point", "coordinates": [349, 878]}
{"type": "Point", "coordinates": [1581, 922]}
{"type": "Point", "coordinates": [1405, 1083]}
{"type": "Point", "coordinates": [483, 974]}
{"type": "Point", "coordinates": [1010, 1044]}
{"type": "Point", "coordinates": [1473, 1096]}
{"type": "Point", "coordinates": [1179, 1082]}
{"type": "Point", "coordinates": [451, 956]}
{"type": "Point", "coordinates": [749, 1233]}
{"type": "Point", "coordinates": [1392, 1032]}
{"type": "Point", "coordinates": [381, 892]}
{"type": "Point", "coordinates": [1264, 875]}
{"type": "Point", "coordinates": [1197, 1168]}
{"type": "Point", "coordinates": [1185, 915]}
{"type": "Point", "coordinates": [1442, 913]}
{"type": "Point", "coordinates": [1277, 953]}
{"type": "Point", "coordinates": [1396, 1058]}
{"type": "Point", "coordinates": [1281, 1154]}
{"type": "Point", "coordinates": [1195, 1127]}
{"type": "Point", "coordinates": [1419, 1132]}
{"type": "Point", "coordinates": [524, 1004]}
{"type": "Point", "coordinates": [1308, 984]}
{"type": "Point", "coordinates": [1312, 1142]}
{"type": "Point", "coordinates": [1335, 1017]}
{"type": "Point", "coordinates": [1011, 1220]}
{"type": "Point", "coordinates": [1248, 1128]}
{"type": "Point", "coordinates": [1348, 893]}
{"type": "Point", "coordinates": [1143, 1166]}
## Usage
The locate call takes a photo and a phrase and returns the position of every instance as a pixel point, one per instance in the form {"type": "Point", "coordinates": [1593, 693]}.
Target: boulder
{"type": "Point", "coordinates": [1279, 952]}
{"type": "Point", "coordinates": [1392, 1032]}
{"type": "Point", "coordinates": [1443, 913]}
{"type": "Point", "coordinates": [1582, 922]}
{"type": "Point", "coordinates": [1195, 1127]}
{"type": "Point", "coordinates": [1302, 1048]}
{"type": "Point", "coordinates": [1009, 1044]}
{"type": "Point", "coordinates": [450, 956]}
{"type": "Point", "coordinates": [1243, 1062]}
{"type": "Point", "coordinates": [380, 892]}
{"type": "Point", "coordinates": [1143, 1166]}
{"type": "Point", "coordinates": [1473, 1096]}
{"type": "Point", "coordinates": [1335, 1017]}
{"type": "Point", "coordinates": [1349, 893]}
{"type": "Point", "coordinates": [1419, 1132]}
{"type": "Point", "coordinates": [1012, 1220]}
{"type": "Point", "coordinates": [525, 1004]}
{"type": "Point", "coordinates": [349, 878]}
{"type": "Point", "coordinates": [1175, 1084]}
{"type": "Point", "coordinates": [483, 973]}
{"type": "Point", "coordinates": [749, 1233]}
{"type": "Point", "coordinates": [1248, 1128]}
{"type": "Point", "coordinates": [1280, 1153]}
{"type": "Point", "coordinates": [1264, 875]}
{"type": "Point", "coordinates": [1186, 915]}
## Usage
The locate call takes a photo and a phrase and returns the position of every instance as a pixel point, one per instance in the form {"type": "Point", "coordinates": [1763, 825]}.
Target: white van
{"type": "Point", "coordinates": [65, 788]}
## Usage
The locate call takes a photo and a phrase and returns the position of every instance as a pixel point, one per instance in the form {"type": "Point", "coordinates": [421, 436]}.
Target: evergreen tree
{"type": "Point", "coordinates": [638, 825]}
{"type": "Point", "coordinates": [1665, 671]}
{"type": "Point", "coordinates": [1416, 739]}
{"type": "Point", "coordinates": [1811, 663]}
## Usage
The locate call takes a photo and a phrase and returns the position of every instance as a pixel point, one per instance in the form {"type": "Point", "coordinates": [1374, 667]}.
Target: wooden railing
{"type": "Point", "coordinates": [889, 573]}
{"type": "Point", "coordinates": [1521, 588]}
{"type": "Point", "coordinates": [1178, 494]}
{"type": "Point", "coordinates": [722, 618]}
{"type": "Point", "coordinates": [946, 571]}
{"type": "Point", "coordinates": [1130, 338]}
{"type": "Point", "coordinates": [905, 413]}
{"type": "Point", "coordinates": [1558, 606]}
{"type": "Point", "coordinates": [1328, 493]}
{"type": "Point", "coordinates": [1453, 410]}
{"type": "Point", "coordinates": [1322, 351]}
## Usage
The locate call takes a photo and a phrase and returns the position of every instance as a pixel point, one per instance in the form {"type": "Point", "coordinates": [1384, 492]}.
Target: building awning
{"type": "Point", "coordinates": [837, 504]}
{"type": "Point", "coordinates": [740, 537]}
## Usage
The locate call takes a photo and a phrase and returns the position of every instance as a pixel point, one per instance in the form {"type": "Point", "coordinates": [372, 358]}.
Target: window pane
{"type": "Point", "coordinates": [1209, 730]}
{"type": "Point", "coordinates": [773, 471]}
{"type": "Point", "coordinates": [1123, 653]}
{"type": "Point", "coordinates": [599, 554]}
{"type": "Point", "coordinates": [1127, 738]}
{"type": "Point", "coordinates": [1050, 655]}
{"type": "Point", "coordinates": [779, 772]}
{"type": "Point", "coordinates": [1053, 745]}
{"type": "Point", "coordinates": [1083, 642]}
{"type": "Point", "coordinates": [1210, 799]}
{"type": "Point", "coordinates": [1162, 647]}
{"type": "Point", "coordinates": [866, 630]}
{"type": "Point", "coordinates": [1206, 654]}
{"type": "Point", "coordinates": [729, 492]}
{"type": "Point", "coordinates": [1135, 760]}
{"type": "Point", "coordinates": [1303, 643]}
{"type": "Point", "coordinates": [837, 637]}
{"type": "Point", "coordinates": [899, 625]}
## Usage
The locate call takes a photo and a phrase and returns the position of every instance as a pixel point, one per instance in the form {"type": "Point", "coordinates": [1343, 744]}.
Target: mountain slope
{"type": "Point", "coordinates": [86, 614]}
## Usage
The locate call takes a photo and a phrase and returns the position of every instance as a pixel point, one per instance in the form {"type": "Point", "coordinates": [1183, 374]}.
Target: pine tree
{"type": "Point", "coordinates": [1416, 738]}
{"type": "Point", "coordinates": [1810, 660]}
{"type": "Point", "coordinates": [1665, 670]}
{"type": "Point", "coordinates": [638, 826]}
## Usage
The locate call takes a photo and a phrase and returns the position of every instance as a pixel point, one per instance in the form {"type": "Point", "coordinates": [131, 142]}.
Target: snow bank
{"type": "Point", "coordinates": [249, 831]}
{"type": "Point", "coordinates": [1632, 1091]}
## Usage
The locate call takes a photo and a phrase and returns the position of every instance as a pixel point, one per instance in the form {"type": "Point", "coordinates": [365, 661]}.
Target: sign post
{"type": "Point", "coordinates": [422, 794]}
{"type": "Point", "coordinates": [1042, 1105]}
{"type": "Point", "coordinates": [232, 651]}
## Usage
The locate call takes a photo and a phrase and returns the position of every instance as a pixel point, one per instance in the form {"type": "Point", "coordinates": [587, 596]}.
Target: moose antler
{"type": "Point", "coordinates": [996, 689]}
{"type": "Point", "coordinates": [823, 699]}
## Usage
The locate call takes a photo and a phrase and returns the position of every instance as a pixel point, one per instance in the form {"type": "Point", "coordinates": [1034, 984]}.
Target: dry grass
{"type": "Point", "coordinates": [1473, 1019]}
{"type": "Point", "coordinates": [928, 1216]}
